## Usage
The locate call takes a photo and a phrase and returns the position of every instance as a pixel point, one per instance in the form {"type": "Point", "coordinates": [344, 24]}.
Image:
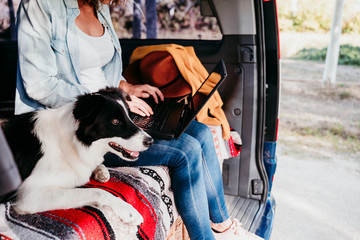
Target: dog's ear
{"type": "Point", "coordinates": [86, 106]}
{"type": "Point", "coordinates": [125, 95]}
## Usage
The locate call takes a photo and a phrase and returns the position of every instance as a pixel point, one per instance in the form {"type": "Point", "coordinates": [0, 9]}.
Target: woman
{"type": "Point", "coordinates": [69, 47]}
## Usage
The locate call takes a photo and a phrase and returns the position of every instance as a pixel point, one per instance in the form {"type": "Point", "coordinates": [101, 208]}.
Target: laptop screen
{"type": "Point", "coordinates": [204, 92]}
{"type": "Point", "coordinates": [208, 87]}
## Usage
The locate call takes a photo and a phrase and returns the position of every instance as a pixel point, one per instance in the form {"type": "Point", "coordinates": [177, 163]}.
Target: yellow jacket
{"type": "Point", "coordinates": [194, 73]}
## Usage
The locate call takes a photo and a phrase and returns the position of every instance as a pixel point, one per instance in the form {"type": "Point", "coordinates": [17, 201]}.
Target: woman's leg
{"type": "Point", "coordinates": [212, 173]}
{"type": "Point", "coordinates": [184, 159]}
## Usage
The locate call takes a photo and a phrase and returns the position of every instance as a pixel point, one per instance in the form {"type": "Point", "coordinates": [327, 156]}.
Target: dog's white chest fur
{"type": "Point", "coordinates": [65, 159]}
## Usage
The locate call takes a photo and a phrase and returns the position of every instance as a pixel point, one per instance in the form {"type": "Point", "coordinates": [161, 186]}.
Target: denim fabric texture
{"type": "Point", "coordinates": [195, 177]}
{"type": "Point", "coordinates": [48, 69]}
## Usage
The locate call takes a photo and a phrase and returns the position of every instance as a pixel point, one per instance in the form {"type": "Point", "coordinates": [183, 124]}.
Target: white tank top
{"type": "Point", "coordinates": [95, 52]}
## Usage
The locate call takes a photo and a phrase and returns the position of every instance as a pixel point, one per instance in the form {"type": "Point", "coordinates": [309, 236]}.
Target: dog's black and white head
{"type": "Point", "coordinates": [104, 117]}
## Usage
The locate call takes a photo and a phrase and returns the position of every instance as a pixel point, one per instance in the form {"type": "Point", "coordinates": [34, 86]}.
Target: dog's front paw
{"type": "Point", "coordinates": [131, 216]}
{"type": "Point", "coordinates": [101, 174]}
{"type": "Point", "coordinates": [125, 213]}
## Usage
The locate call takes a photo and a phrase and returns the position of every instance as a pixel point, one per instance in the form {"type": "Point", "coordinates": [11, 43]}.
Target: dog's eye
{"type": "Point", "coordinates": [115, 121]}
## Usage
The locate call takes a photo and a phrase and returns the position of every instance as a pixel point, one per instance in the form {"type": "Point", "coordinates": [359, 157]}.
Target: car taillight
{"type": "Point", "coordinates": [277, 129]}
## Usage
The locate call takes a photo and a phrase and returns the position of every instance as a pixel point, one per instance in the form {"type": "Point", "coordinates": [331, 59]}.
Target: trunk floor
{"type": "Point", "coordinates": [242, 208]}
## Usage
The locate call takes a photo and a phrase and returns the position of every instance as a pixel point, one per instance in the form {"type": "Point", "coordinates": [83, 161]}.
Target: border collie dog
{"type": "Point", "coordinates": [57, 150]}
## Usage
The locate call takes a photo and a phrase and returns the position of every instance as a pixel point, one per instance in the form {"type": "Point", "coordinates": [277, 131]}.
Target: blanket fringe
{"type": "Point", "coordinates": [178, 231]}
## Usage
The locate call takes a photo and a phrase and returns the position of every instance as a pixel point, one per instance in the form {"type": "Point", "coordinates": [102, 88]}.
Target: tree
{"type": "Point", "coordinates": [151, 19]}
{"type": "Point", "coordinates": [332, 54]}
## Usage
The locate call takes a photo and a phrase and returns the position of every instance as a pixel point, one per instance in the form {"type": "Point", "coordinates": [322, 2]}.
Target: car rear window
{"type": "Point", "coordinates": [166, 19]}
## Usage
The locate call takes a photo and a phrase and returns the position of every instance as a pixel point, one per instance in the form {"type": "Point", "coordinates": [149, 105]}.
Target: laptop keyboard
{"type": "Point", "coordinates": [158, 119]}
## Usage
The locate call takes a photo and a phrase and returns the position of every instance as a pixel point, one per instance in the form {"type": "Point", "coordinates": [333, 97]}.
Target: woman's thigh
{"type": "Point", "coordinates": [201, 133]}
{"type": "Point", "coordinates": [170, 153]}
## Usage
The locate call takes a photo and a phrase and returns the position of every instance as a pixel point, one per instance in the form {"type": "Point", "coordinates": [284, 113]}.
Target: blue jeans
{"type": "Point", "coordinates": [195, 177]}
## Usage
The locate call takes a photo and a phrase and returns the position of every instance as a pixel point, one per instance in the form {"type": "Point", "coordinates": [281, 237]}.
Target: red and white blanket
{"type": "Point", "coordinates": [145, 188]}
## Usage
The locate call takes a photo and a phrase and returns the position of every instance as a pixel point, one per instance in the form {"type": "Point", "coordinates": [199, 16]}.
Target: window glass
{"type": "Point", "coordinates": [7, 28]}
{"type": "Point", "coordinates": [163, 19]}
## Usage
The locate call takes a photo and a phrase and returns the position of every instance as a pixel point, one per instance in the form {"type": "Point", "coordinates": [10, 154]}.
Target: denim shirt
{"type": "Point", "coordinates": [48, 59]}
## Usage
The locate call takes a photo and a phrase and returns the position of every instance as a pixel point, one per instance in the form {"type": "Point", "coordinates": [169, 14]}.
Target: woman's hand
{"type": "Point", "coordinates": [140, 107]}
{"type": "Point", "coordinates": [136, 104]}
{"type": "Point", "coordinates": [142, 91]}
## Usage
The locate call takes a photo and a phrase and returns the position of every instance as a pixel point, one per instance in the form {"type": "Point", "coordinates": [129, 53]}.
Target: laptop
{"type": "Point", "coordinates": [173, 115]}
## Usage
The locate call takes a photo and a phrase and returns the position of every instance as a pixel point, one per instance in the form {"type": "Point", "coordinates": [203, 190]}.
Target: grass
{"type": "Point", "coordinates": [348, 55]}
{"type": "Point", "coordinates": [345, 95]}
{"type": "Point", "coordinates": [335, 133]}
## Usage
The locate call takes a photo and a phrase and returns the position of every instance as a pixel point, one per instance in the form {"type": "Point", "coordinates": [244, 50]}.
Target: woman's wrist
{"type": "Point", "coordinates": [124, 86]}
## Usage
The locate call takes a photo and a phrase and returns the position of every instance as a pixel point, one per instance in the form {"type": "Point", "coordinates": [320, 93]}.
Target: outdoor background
{"type": "Point", "coordinates": [316, 185]}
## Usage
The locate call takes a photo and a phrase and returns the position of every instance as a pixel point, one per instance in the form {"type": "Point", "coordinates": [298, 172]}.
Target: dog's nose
{"type": "Point", "coordinates": [148, 141]}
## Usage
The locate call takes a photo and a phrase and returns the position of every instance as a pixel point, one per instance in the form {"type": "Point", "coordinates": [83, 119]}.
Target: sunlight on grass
{"type": "Point", "coordinates": [335, 134]}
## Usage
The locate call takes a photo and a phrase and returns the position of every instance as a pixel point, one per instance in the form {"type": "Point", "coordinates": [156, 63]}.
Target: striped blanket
{"type": "Point", "coordinates": [145, 188]}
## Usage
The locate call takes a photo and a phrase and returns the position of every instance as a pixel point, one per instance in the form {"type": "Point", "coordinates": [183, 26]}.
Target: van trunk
{"type": "Point", "coordinates": [250, 49]}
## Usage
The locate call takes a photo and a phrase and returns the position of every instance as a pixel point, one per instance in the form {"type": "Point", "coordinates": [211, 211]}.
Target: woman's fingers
{"type": "Point", "coordinates": [147, 91]}
{"type": "Point", "coordinates": [143, 91]}
{"type": "Point", "coordinates": [137, 111]}
{"type": "Point", "coordinates": [156, 93]}
{"type": "Point", "coordinates": [140, 107]}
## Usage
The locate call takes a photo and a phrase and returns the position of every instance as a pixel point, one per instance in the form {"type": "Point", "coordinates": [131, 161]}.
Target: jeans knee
{"type": "Point", "coordinates": [195, 155]}
{"type": "Point", "coordinates": [204, 134]}
{"type": "Point", "coordinates": [192, 154]}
